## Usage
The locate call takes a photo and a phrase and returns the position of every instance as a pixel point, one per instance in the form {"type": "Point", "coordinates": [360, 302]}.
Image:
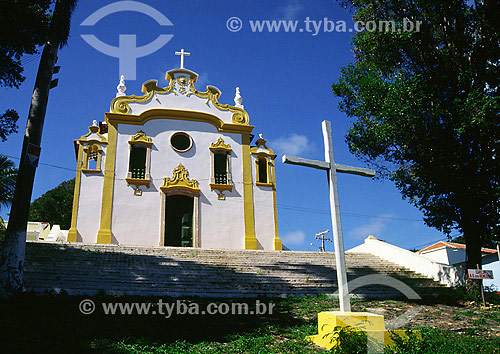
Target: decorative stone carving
{"type": "Point", "coordinates": [180, 181]}
{"type": "Point", "coordinates": [121, 87]}
{"type": "Point", "coordinates": [238, 99]}
{"type": "Point", "coordinates": [220, 145]}
{"type": "Point", "coordinates": [140, 137]}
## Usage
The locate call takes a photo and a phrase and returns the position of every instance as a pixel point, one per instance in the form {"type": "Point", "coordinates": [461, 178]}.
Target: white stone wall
{"type": "Point", "coordinates": [455, 255]}
{"type": "Point", "coordinates": [438, 255]}
{"type": "Point", "coordinates": [443, 273]}
{"type": "Point", "coordinates": [491, 262]}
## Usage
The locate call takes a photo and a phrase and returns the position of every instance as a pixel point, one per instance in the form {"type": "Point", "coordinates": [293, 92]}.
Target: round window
{"type": "Point", "coordinates": [181, 142]}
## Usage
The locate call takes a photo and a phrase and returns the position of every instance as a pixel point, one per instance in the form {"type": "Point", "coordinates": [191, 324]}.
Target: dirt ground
{"type": "Point", "coordinates": [463, 317]}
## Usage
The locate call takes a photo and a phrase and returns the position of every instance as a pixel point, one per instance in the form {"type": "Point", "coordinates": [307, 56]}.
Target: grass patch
{"type": "Point", "coordinates": [54, 324]}
{"type": "Point", "coordinates": [433, 341]}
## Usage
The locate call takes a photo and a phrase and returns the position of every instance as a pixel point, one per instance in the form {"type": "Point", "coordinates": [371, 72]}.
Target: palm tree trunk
{"type": "Point", "coordinates": [12, 258]}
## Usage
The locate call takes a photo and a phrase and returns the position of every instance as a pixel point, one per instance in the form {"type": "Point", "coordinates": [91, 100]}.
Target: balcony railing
{"type": "Point", "coordinates": [221, 178]}
{"type": "Point", "coordinates": [139, 173]}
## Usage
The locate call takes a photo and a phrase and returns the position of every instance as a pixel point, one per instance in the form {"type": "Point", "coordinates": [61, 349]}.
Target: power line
{"type": "Point", "coordinates": [45, 164]}
{"type": "Point", "coordinates": [354, 215]}
{"type": "Point", "coordinates": [30, 59]}
{"type": "Point", "coordinates": [378, 217]}
{"type": "Point", "coordinates": [282, 206]}
{"type": "Point", "coordinates": [432, 242]}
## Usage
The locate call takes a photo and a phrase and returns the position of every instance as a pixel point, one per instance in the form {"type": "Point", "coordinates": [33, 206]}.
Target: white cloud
{"type": "Point", "coordinates": [293, 144]}
{"type": "Point", "coordinates": [294, 238]}
{"type": "Point", "coordinates": [375, 227]}
{"type": "Point", "coordinates": [290, 11]}
{"type": "Point", "coordinates": [202, 81]}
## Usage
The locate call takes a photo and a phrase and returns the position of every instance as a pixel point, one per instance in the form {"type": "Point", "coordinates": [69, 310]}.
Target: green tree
{"type": "Point", "coordinates": [8, 174]}
{"type": "Point", "coordinates": [24, 25]}
{"type": "Point", "coordinates": [426, 109]}
{"type": "Point", "coordinates": [55, 206]}
{"type": "Point", "coordinates": [12, 259]}
{"type": "Point", "coordinates": [8, 123]}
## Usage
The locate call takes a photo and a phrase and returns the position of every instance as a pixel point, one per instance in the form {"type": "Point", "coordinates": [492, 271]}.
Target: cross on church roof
{"type": "Point", "coordinates": [182, 53]}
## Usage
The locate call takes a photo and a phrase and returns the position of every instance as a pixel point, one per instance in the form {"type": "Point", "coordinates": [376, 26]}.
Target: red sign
{"type": "Point", "coordinates": [480, 274]}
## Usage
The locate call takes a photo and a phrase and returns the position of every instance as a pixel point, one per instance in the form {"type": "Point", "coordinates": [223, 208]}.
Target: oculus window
{"type": "Point", "coordinates": [181, 142]}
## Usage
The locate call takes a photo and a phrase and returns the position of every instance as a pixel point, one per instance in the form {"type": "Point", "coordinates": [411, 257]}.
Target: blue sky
{"type": "Point", "coordinates": [285, 81]}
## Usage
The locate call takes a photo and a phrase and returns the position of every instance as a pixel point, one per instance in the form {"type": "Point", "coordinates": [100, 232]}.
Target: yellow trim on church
{"type": "Point", "coordinates": [220, 145]}
{"type": "Point", "coordinates": [94, 129]}
{"type": "Point", "coordinates": [138, 182]}
{"type": "Point", "coordinates": [250, 241]}
{"type": "Point", "coordinates": [268, 172]}
{"type": "Point", "coordinates": [120, 104]}
{"type": "Point", "coordinates": [269, 156]}
{"type": "Point", "coordinates": [86, 152]}
{"type": "Point", "coordinates": [160, 113]}
{"type": "Point", "coordinates": [180, 181]}
{"type": "Point", "coordinates": [104, 234]}
{"type": "Point", "coordinates": [261, 143]}
{"type": "Point", "coordinates": [73, 233]}
{"type": "Point", "coordinates": [278, 246]}
{"type": "Point", "coordinates": [140, 138]}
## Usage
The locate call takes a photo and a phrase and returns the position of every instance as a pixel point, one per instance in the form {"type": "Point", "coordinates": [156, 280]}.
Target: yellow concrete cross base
{"type": "Point", "coordinates": [370, 323]}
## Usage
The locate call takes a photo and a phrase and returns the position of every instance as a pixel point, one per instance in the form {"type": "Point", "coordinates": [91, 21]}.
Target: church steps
{"type": "Point", "coordinates": [190, 271]}
{"type": "Point", "coordinates": [155, 274]}
{"type": "Point", "coordinates": [170, 271]}
{"type": "Point", "coordinates": [160, 274]}
{"type": "Point", "coordinates": [42, 274]}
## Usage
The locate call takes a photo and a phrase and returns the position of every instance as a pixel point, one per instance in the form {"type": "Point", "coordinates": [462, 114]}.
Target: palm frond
{"type": "Point", "coordinates": [61, 21]}
{"type": "Point", "coordinates": [8, 174]}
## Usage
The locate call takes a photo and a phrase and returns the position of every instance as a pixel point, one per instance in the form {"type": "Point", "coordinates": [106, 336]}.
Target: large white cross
{"type": "Point", "coordinates": [182, 53]}
{"type": "Point", "coordinates": [332, 168]}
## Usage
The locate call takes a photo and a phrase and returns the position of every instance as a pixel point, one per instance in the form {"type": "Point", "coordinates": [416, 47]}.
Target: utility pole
{"type": "Point", "coordinates": [12, 257]}
{"type": "Point", "coordinates": [321, 236]}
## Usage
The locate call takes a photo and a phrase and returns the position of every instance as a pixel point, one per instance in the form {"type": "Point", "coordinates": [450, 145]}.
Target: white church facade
{"type": "Point", "coordinates": [174, 167]}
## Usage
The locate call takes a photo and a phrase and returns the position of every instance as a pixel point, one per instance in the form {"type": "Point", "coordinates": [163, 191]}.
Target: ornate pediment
{"type": "Point", "coordinates": [181, 83]}
{"type": "Point", "coordinates": [94, 136]}
{"type": "Point", "coordinates": [262, 149]}
{"type": "Point", "coordinates": [180, 181]}
{"type": "Point", "coordinates": [220, 145]}
{"type": "Point", "coordinates": [140, 138]}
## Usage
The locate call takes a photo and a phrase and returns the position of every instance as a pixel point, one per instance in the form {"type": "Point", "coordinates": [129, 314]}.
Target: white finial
{"type": "Point", "coordinates": [238, 99]}
{"type": "Point", "coordinates": [182, 53]}
{"type": "Point", "coordinates": [94, 123]}
{"type": "Point", "coordinates": [121, 87]}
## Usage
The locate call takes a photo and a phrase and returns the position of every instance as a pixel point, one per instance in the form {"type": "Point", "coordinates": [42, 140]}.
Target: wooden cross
{"type": "Point", "coordinates": [182, 53]}
{"type": "Point", "coordinates": [332, 168]}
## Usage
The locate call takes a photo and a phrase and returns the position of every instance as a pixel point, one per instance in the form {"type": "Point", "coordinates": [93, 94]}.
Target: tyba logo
{"type": "Point", "coordinates": [127, 51]}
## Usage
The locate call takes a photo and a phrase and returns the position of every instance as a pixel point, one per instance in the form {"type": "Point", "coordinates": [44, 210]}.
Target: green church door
{"type": "Point", "coordinates": [179, 221]}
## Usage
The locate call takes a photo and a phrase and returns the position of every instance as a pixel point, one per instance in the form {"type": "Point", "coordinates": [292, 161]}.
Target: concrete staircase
{"type": "Point", "coordinates": [170, 271]}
